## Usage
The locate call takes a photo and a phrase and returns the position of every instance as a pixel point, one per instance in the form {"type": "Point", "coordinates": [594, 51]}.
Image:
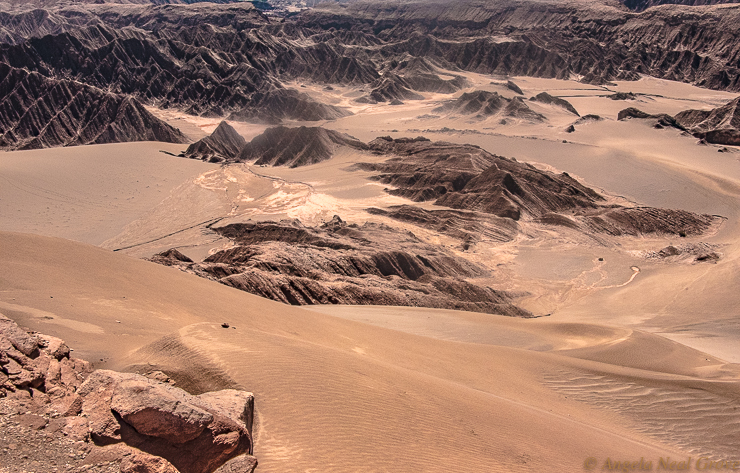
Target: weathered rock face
{"type": "Point", "coordinates": [37, 112]}
{"type": "Point", "coordinates": [39, 364]}
{"type": "Point", "coordinates": [162, 420]}
{"type": "Point", "coordinates": [517, 108]}
{"type": "Point", "coordinates": [221, 145]}
{"type": "Point", "coordinates": [293, 147]}
{"type": "Point", "coordinates": [720, 126]}
{"type": "Point", "coordinates": [162, 428]}
{"type": "Point", "coordinates": [339, 263]}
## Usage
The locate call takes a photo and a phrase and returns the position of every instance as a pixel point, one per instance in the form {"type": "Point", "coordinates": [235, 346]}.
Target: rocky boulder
{"type": "Point", "coordinates": [162, 420]}
{"type": "Point", "coordinates": [155, 427]}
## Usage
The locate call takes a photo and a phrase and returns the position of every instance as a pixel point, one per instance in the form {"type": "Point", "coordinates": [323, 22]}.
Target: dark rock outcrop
{"type": "Point", "coordinates": [469, 227]}
{"type": "Point", "coordinates": [512, 86]}
{"type": "Point", "coordinates": [546, 98]}
{"type": "Point", "coordinates": [660, 120]}
{"type": "Point", "coordinates": [159, 427]}
{"type": "Point", "coordinates": [479, 103]}
{"type": "Point", "coordinates": [272, 107]}
{"type": "Point", "coordinates": [517, 108]}
{"type": "Point", "coordinates": [588, 119]}
{"type": "Point", "coordinates": [485, 104]}
{"type": "Point", "coordinates": [622, 96]}
{"type": "Point", "coordinates": [388, 88]}
{"type": "Point", "coordinates": [170, 257]}
{"type": "Point", "coordinates": [38, 112]}
{"type": "Point", "coordinates": [467, 178]}
{"type": "Point", "coordinates": [719, 126]}
{"type": "Point", "coordinates": [221, 145]}
{"type": "Point", "coordinates": [282, 146]}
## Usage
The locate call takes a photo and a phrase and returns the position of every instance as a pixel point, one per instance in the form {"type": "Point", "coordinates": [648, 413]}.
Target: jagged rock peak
{"type": "Point", "coordinates": [224, 144]}
{"type": "Point", "coordinates": [293, 147]}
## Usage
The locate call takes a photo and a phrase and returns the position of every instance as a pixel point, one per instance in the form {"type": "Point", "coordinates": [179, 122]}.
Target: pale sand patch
{"type": "Point", "coordinates": [88, 193]}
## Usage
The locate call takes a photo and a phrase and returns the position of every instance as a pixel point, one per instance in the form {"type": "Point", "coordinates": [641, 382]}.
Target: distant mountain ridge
{"type": "Point", "coordinates": [38, 112]}
{"type": "Point", "coordinates": [641, 5]}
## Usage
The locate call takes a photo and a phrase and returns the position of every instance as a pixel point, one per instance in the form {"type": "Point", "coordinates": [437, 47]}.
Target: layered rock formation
{"type": "Point", "coordinates": [293, 147]}
{"type": "Point", "coordinates": [720, 126]}
{"type": "Point", "coordinates": [159, 428]}
{"type": "Point", "coordinates": [38, 112]}
{"type": "Point", "coordinates": [221, 145]}
{"type": "Point", "coordinates": [338, 263]}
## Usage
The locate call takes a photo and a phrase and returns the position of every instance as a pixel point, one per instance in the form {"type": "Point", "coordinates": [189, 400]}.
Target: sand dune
{"type": "Point", "coordinates": [340, 395]}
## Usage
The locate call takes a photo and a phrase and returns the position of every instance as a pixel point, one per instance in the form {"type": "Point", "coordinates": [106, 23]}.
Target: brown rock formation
{"type": "Point", "coordinates": [466, 177]}
{"type": "Point", "coordinates": [485, 104]}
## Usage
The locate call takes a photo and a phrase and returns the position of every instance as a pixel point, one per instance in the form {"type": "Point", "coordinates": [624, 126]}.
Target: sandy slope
{"type": "Point", "coordinates": [88, 193]}
{"type": "Point", "coordinates": [340, 395]}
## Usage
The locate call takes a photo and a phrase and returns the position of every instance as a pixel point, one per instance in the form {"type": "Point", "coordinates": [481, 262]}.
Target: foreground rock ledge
{"type": "Point", "coordinates": [146, 425]}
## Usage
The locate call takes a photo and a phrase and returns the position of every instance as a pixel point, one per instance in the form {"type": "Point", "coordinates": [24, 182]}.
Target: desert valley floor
{"type": "Point", "coordinates": [633, 351]}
